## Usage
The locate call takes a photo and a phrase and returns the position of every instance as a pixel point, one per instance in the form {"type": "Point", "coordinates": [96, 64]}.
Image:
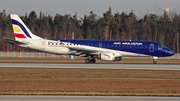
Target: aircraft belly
{"type": "Point", "coordinates": [128, 54]}
{"type": "Point", "coordinates": [58, 50]}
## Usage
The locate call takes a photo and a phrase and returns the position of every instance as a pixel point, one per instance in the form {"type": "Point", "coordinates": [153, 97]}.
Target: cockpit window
{"type": "Point", "coordinates": [161, 46]}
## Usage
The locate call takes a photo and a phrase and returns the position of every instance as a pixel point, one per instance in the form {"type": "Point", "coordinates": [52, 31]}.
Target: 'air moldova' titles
{"type": "Point", "coordinates": [128, 43]}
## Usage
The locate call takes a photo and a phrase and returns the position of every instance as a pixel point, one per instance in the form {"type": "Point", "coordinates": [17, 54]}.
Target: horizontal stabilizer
{"type": "Point", "coordinates": [12, 41]}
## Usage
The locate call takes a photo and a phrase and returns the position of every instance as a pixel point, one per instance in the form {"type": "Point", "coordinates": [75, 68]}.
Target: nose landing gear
{"type": "Point", "coordinates": [154, 60]}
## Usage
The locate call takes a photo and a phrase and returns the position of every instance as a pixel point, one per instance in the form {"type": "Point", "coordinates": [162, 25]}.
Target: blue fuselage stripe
{"type": "Point", "coordinates": [139, 47]}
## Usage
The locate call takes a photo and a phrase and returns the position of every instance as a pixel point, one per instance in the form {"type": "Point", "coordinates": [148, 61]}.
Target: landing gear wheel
{"type": "Point", "coordinates": [87, 60]}
{"type": "Point", "coordinates": [92, 61]}
{"type": "Point", "coordinates": [154, 62]}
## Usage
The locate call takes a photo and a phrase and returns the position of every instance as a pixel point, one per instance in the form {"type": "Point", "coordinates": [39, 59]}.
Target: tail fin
{"type": "Point", "coordinates": [21, 31]}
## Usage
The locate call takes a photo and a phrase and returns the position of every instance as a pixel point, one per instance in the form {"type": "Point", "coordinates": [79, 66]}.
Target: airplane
{"type": "Point", "coordinates": [105, 50]}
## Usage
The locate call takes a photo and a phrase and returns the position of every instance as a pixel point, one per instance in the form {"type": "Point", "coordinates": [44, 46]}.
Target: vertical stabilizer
{"type": "Point", "coordinates": [20, 29]}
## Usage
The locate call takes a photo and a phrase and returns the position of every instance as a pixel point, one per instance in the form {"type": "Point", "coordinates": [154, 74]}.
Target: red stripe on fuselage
{"type": "Point", "coordinates": [19, 35]}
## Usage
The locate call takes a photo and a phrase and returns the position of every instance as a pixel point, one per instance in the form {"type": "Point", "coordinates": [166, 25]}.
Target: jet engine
{"type": "Point", "coordinates": [108, 56]}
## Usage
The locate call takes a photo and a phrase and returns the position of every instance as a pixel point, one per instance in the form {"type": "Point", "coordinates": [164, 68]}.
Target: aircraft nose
{"type": "Point", "coordinates": [170, 53]}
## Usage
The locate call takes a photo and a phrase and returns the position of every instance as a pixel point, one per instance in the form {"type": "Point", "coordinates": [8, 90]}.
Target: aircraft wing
{"type": "Point", "coordinates": [12, 41]}
{"type": "Point", "coordinates": [83, 51]}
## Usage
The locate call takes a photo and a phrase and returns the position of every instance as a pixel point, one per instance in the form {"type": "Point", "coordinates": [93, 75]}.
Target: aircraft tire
{"type": "Point", "coordinates": [87, 60]}
{"type": "Point", "coordinates": [92, 61]}
{"type": "Point", "coordinates": [154, 62]}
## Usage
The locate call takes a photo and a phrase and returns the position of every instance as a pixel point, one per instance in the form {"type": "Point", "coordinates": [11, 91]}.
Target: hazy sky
{"type": "Point", "coordinates": [82, 7]}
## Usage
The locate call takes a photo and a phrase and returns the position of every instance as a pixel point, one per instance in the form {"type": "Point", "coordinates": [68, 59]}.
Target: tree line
{"type": "Point", "coordinates": [118, 26]}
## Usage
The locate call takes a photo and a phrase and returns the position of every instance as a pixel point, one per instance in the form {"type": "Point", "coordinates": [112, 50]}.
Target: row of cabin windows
{"type": "Point", "coordinates": [98, 45]}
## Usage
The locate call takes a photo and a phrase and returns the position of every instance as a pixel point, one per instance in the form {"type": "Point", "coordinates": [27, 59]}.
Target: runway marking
{"type": "Point", "coordinates": [127, 79]}
{"type": "Point", "coordinates": [94, 66]}
{"type": "Point", "coordinates": [85, 98]}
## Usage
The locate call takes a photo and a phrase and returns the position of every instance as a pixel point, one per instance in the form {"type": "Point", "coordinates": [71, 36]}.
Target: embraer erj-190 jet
{"type": "Point", "coordinates": [90, 49]}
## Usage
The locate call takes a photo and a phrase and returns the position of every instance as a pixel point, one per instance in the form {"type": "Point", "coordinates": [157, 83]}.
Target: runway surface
{"type": "Point", "coordinates": [86, 98]}
{"type": "Point", "coordinates": [94, 66]}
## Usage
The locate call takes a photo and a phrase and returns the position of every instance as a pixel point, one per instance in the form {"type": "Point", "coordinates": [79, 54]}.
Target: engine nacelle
{"type": "Point", "coordinates": [107, 56]}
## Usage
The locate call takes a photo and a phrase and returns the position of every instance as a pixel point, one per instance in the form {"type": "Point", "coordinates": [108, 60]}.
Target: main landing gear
{"type": "Point", "coordinates": [90, 60]}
